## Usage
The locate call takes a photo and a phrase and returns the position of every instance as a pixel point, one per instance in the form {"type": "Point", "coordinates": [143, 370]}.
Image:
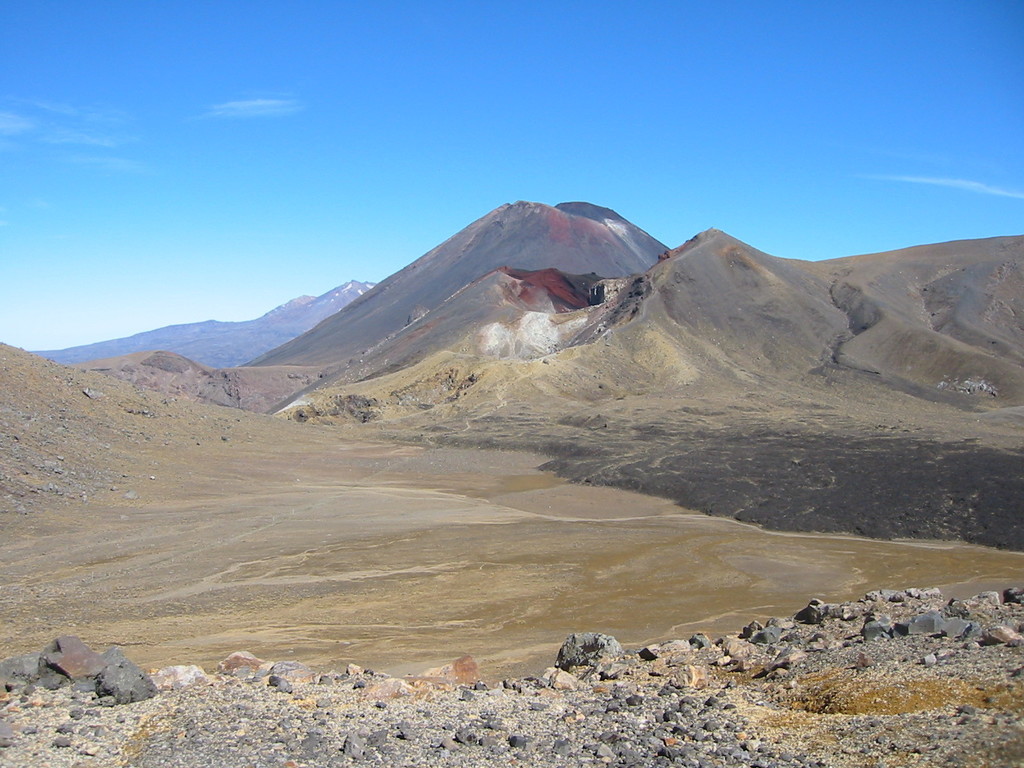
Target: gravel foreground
{"type": "Point", "coordinates": [898, 678]}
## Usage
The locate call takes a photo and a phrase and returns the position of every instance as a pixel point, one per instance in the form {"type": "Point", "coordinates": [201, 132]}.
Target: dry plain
{"type": "Point", "coordinates": [398, 557]}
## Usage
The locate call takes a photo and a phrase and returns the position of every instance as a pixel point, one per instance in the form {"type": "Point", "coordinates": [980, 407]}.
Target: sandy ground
{"type": "Point", "coordinates": [398, 558]}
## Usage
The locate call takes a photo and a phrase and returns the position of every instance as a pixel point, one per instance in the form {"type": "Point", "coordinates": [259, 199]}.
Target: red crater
{"type": "Point", "coordinates": [536, 287]}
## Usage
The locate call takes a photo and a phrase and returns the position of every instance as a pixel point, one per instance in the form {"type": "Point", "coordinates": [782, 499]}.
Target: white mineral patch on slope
{"type": "Point", "coordinates": [624, 233]}
{"type": "Point", "coordinates": [294, 404]}
{"type": "Point", "coordinates": [535, 334]}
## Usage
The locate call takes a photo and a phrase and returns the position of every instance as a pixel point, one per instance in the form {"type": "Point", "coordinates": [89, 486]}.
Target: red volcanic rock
{"type": "Point", "coordinates": [465, 670]}
{"type": "Point", "coordinates": [554, 285]}
{"type": "Point", "coordinates": [73, 658]}
{"type": "Point", "coordinates": [462, 671]}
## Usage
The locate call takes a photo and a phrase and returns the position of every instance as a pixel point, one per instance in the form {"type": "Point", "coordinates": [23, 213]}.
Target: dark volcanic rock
{"type": "Point", "coordinates": [766, 636]}
{"type": "Point", "coordinates": [957, 627]}
{"type": "Point", "coordinates": [586, 649]}
{"type": "Point", "coordinates": [1013, 595]}
{"type": "Point", "coordinates": [281, 683]}
{"type": "Point", "coordinates": [877, 629]}
{"type": "Point", "coordinates": [123, 679]}
{"type": "Point", "coordinates": [814, 613]}
{"type": "Point", "coordinates": [355, 745]}
{"type": "Point", "coordinates": [68, 660]}
{"type": "Point", "coordinates": [918, 489]}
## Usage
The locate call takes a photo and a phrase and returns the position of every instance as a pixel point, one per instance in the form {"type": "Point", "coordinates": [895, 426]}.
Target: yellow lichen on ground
{"type": "Point", "coordinates": [1008, 697]}
{"type": "Point", "coordinates": [834, 691]}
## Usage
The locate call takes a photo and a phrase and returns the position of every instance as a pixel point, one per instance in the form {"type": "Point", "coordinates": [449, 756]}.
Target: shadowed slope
{"type": "Point", "coordinates": [949, 315]}
{"type": "Point", "coordinates": [251, 389]}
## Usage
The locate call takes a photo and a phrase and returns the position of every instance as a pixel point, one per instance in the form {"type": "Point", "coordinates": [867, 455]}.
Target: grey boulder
{"type": "Point", "coordinates": [930, 623]}
{"type": "Point", "coordinates": [586, 649]}
{"type": "Point", "coordinates": [19, 670]}
{"type": "Point", "coordinates": [877, 629]}
{"type": "Point", "coordinates": [815, 612]}
{"type": "Point", "coordinates": [122, 679]}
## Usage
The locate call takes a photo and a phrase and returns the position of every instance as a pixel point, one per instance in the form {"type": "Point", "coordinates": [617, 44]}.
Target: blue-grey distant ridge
{"type": "Point", "coordinates": [220, 344]}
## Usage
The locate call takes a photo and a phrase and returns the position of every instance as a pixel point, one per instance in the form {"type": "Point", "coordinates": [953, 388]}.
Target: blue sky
{"type": "Point", "coordinates": [175, 162]}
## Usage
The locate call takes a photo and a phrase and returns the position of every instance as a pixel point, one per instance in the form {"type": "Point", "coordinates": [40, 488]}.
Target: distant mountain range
{"type": "Point", "coordinates": [218, 344]}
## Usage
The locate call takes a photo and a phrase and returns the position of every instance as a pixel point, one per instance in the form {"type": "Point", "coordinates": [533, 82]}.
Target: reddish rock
{"type": "Point", "coordinates": [1002, 635]}
{"type": "Point", "coordinates": [73, 658]}
{"type": "Point", "coordinates": [691, 676]}
{"type": "Point", "coordinates": [737, 649]}
{"type": "Point", "coordinates": [293, 672]}
{"type": "Point", "coordinates": [239, 660]}
{"type": "Point", "coordinates": [537, 287]}
{"type": "Point", "coordinates": [787, 659]}
{"type": "Point", "coordinates": [462, 671]}
{"type": "Point", "coordinates": [465, 670]}
{"type": "Point", "coordinates": [391, 688]}
{"type": "Point", "coordinates": [560, 680]}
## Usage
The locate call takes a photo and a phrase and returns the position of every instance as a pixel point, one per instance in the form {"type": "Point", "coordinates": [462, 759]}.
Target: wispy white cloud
{"type": "Point", "coordinates": [12, 124]}
{"type": "Point", "coordinates": [62, 135]}
{"type": "Point", "coordinates": [55, 107]}
{"type": "Point", "coordinates": [254, 108]}
{"type": "Point", "coordinates": [90, 114]}
{"type": "Point", "coordinates": [114, 164]}
{"type": "Point", "coordinates": [54, 123]}
{"type": "Point", "coordinates": [963, 184]}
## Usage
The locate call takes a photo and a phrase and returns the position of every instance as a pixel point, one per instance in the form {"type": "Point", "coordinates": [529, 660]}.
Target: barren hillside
{"type": "Point", "coordinates": [741, 384]}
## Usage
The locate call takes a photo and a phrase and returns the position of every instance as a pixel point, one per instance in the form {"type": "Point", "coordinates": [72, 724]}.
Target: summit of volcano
{"type": "Point", "coordinates": [573, 237]}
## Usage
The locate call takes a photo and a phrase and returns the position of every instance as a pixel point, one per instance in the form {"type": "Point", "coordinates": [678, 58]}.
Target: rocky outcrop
{"type": "Point", "coordinates": [808, 690]}
{"type": "Point", "coordinates": [582, 649]}
{"type": "Point", "coordinates": [67, 661]}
